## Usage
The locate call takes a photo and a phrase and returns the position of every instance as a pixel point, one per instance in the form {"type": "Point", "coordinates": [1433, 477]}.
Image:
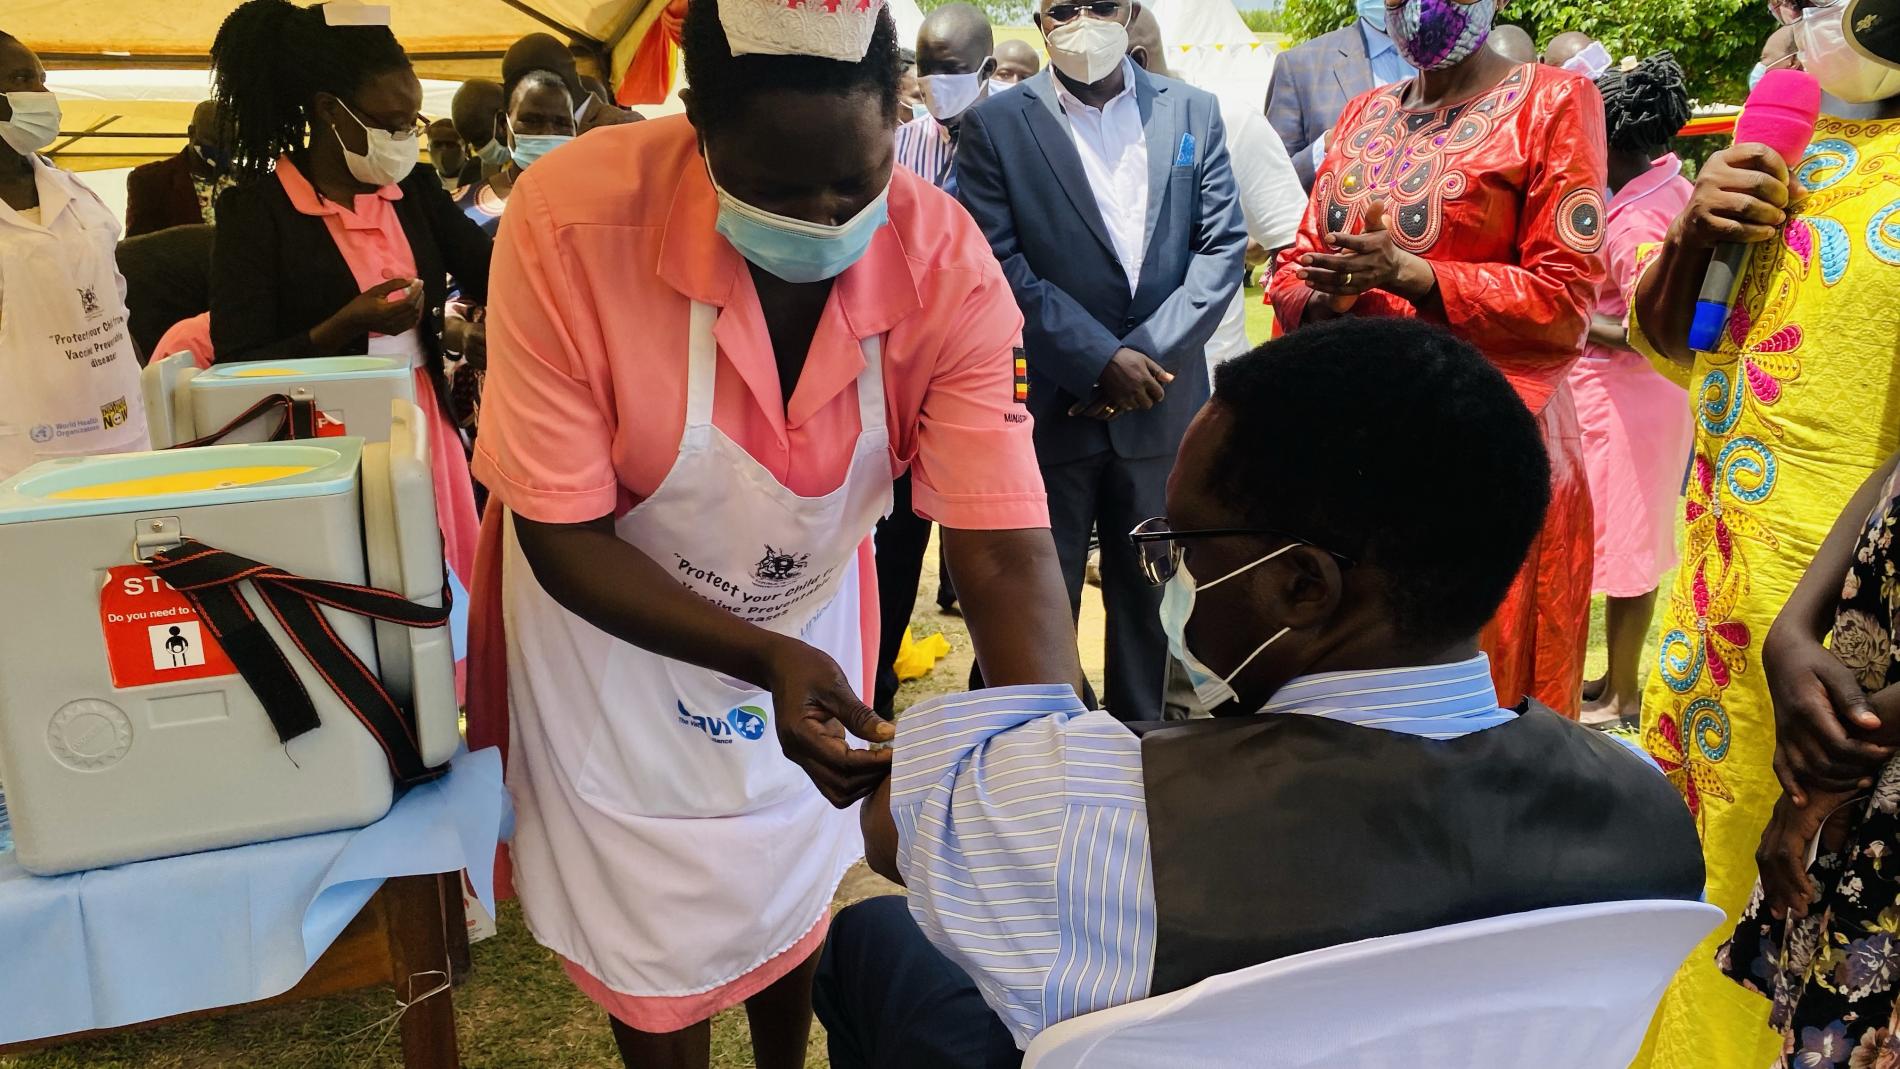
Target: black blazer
{"type": "Point", "coordinates": [276, 272]}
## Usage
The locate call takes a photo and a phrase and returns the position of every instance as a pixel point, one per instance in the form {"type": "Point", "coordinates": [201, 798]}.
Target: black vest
{"type": "Point", "coordinates": [1274, 835]}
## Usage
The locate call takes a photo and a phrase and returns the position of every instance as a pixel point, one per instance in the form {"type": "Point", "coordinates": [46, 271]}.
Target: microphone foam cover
{"type": "Point", "coordinates": [1780, 113]}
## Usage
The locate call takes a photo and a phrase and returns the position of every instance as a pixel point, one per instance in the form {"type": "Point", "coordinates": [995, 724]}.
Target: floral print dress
{"type": "Point", "coordinates": [1834, 976]}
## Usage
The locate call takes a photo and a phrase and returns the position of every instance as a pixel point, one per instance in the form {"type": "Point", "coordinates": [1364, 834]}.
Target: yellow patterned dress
{"type": "Point", "coordinates": [1793, 411]}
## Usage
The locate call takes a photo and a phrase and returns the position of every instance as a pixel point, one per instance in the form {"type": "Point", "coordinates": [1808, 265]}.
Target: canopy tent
{"type": "Point", "coordinates": [128, 74]}
{"type": "Point", "coordinates": [1209, 46]}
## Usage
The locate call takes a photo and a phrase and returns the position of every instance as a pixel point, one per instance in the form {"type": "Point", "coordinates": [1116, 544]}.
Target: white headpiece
{"type": "Point", "coordinates": [829, 29]}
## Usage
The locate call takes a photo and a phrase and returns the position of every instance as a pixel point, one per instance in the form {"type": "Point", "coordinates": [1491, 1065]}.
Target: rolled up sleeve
{"type": "Point", "coordinates": [975, 461]}
{"type": "Point", "coordinates": [546, 443]}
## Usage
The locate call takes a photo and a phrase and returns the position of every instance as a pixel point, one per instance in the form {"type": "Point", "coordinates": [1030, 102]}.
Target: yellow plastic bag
{"type": "Point", "coordinates": [915, 659]}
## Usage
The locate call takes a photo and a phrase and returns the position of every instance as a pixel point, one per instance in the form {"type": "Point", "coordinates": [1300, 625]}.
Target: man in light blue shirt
{"type": "Point", "coordinates": [1387, 65]}
{"type": "Point", "coordinates": [1313, 82]}
{"type": "Point", "coordinates": [1343, 518]}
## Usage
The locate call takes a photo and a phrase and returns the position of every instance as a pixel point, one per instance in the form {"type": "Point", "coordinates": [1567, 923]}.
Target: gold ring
{"type": "Point", "coordinates": [1349, 278]}
{"type": "Point", "coordinates": [1110, 410]}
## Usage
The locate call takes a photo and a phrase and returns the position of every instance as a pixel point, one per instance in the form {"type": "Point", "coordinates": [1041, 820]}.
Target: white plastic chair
{"type": "Point", "coordinates": [1566, 988]}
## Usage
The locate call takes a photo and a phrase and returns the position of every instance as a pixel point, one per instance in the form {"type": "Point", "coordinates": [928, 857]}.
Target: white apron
{"type": "Point", "coordinates": [70, 372]}
{"type": "Point", "coordinates": [663, 841]}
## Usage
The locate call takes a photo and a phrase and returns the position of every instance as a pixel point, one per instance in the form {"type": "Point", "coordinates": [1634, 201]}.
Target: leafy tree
{"type": "Point", "coordinates": [1716, 41]}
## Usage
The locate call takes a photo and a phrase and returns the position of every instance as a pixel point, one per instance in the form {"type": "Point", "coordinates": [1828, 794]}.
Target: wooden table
{"type": "Point", "coordinates": [412, 938]}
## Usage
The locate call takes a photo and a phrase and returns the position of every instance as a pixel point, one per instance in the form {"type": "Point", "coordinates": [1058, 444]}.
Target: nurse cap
{"type": "Point", "coordinates": [829, 29]}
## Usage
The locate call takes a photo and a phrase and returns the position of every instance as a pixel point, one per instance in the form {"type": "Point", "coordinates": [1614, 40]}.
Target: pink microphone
{"type": "Point", "coordinates": [1780, 113]}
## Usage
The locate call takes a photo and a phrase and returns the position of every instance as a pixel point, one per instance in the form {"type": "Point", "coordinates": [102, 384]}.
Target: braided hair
{"type": "Point", "coordinates": [271, 58]}
{"type": "Point", "coordinates": [1645, 106]}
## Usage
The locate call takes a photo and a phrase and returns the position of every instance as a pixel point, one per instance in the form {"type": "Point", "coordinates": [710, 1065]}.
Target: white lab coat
{"type": "Point", "coordinates": [1271, 200]}
{"type": "Point", "coordinates": [69, 375]}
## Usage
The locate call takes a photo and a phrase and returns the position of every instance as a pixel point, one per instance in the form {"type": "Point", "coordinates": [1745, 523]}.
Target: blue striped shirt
{"type": "Point", "coordinates": [1023, 829]}
{"type": "Point", "coordinates": [924, 147]}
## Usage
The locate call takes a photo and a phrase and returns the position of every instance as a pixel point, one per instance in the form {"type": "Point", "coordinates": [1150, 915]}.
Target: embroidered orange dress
{"type": "Point", "coordinates": [1503, 195]}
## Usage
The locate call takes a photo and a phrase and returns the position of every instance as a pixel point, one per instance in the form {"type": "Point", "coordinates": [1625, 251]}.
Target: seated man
{"type": "Point", "coordinates": [1351, 504]}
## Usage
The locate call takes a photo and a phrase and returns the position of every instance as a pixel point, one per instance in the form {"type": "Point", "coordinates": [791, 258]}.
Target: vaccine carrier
{"type": "Point", "coordinates": [341, 395]}
{"type": "Point", "coordinates": [126, 732]}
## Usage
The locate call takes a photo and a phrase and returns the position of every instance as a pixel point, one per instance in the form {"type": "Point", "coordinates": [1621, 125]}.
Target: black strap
{"type": "Point", "coordinates": [209, 578]}
{"type": "Point", "coordinates": [299, 421]}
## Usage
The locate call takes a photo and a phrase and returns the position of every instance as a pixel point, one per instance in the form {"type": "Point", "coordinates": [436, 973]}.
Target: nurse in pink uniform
{"type": "Point", "coordinates": [715, 341]}
{"type": "Point", "coordinates": [1636, 424]}
{"type": "Point", "coordinates": [335, 242]}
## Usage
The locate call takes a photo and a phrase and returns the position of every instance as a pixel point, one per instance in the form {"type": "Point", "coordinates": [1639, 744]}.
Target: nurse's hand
{"type": "Point", "coordinates": [816, 706]}
{"type": "Point", "coordinates": [373, 312]}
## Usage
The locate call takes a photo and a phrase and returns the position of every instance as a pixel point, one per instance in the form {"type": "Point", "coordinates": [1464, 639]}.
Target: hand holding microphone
{"type": "Point", "coordinates": [1742, 192]}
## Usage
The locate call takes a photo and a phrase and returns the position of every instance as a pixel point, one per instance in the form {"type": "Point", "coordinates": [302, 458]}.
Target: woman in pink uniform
{"type": "Point", "coordinates": [1636, 424]}
{"type": "Point", "coordinates": [716, 340]}
{"type": "Point", "coordinates": [335, 242]}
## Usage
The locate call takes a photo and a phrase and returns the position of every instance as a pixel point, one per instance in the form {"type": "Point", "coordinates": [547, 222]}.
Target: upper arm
{"type": "Point", "coordinates": [546, 446]}
{"type": "Point", "coordinates": [1270, 194]}
{"type": "Point", "coordinates": [244, 276]}
{"type": "Point", "coordinates": [467, 249]}
{"type": "Point", "coordinates": [974, 461]}
{"type": "Point", "coordinates": [1564, 193]}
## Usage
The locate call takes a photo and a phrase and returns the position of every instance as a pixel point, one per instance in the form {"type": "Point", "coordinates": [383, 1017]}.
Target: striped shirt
{"type": "Point", "coordinates": [924, 147]}
{"type": "Point", "coordinates": [1023, 828]}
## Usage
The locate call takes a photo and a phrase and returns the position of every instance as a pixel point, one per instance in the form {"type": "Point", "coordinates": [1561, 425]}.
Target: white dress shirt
{"type": "Point", "coordinates": [1114, 151]}
{"type": "Point", "coordinates": [1272, 201]}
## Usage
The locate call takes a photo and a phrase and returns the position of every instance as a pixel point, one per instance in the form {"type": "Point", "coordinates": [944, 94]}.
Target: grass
{"type": "Point", "coordinates": [518, 1010]}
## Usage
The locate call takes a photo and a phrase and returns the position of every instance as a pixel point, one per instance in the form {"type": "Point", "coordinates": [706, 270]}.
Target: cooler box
{"type": "Point", "coordinates": [123, 735]}
{"type": "Point", "coordinates": [352, 395]}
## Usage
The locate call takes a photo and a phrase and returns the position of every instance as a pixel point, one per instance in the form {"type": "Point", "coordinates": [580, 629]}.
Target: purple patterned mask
{"type": "Point", "coordinates": [1435, 34]}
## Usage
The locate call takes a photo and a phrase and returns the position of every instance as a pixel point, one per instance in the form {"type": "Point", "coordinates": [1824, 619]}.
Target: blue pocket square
{"type": "Point", "coordinates": [1184, 156]}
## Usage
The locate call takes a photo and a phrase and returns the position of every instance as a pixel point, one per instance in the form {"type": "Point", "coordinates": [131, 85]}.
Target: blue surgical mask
{"type": "Point", "coordinates": [1177, 606]}
{"type": "Point", "coordinates": [793, 249]}
{"type": "Point", "coordinates": [1756, 74]}
{"type": "Point", "coordinates": [494, 155]}
{"type": "Point", "coordinates": [531, 147]}
{"type": "Point", "coordinates": [918, 111]}
{"type": "Point", "coordinates": [1372, 11]}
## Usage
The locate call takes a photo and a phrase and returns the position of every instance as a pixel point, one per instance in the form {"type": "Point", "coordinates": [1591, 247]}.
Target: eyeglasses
{"type": "Point", "coordinates": [1788, 12]}
{"type": "Point", "coordinates": [1158, 548]}
{"type": "Point", "coordinates": [1101, 9]}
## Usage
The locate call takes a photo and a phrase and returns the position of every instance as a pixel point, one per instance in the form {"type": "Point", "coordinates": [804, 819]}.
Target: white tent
{"type": "Point", "coordinates": [1209, 46]}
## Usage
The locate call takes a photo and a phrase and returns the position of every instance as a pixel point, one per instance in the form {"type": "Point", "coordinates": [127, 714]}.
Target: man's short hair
{"type": "Point", "coordinates": [1396, 444]}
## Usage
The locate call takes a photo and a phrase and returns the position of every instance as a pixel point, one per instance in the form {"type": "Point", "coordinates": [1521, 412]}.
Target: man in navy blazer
{"type": "Point", "coordinates": [1111, 205]}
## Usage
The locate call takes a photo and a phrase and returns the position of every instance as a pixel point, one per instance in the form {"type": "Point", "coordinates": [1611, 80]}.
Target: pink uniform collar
{"type": "Point", "coordinates": [1666, 167]}
{"type": "Point", "coordinates": [305, 198]}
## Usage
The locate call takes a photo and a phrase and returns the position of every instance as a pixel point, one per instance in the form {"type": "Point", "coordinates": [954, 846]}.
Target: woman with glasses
{"type": "Point", "coordinates": [1471, 195]}
{"type": "Point", "coordinates": [1794, 408]}
{"type": "Point", "coordinates": [335, 242]}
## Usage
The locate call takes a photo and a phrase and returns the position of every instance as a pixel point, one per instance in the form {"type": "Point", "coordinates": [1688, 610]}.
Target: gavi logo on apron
{"type": "Point", "coordinates": [746, 722]}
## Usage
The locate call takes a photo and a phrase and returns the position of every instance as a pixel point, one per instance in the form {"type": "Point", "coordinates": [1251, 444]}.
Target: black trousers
{"type": "Point", "coordinates": [1115, 493]}
{"type": "Point", "coordinates": [890, 1000]}
{"type": "Point", "coordinates": [900, 542]}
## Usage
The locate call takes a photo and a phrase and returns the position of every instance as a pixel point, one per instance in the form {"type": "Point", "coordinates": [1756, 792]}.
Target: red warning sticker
{"type": "Point", "coordinates": [330, 424]}
{"type": "Point", "coordinates": [153, 635]}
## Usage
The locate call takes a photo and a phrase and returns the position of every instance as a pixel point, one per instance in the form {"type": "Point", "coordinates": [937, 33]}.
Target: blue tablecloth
{"type": "Point", "coordinates": [137, 942]}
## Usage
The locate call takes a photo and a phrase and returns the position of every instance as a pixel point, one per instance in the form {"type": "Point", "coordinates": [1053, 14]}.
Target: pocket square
{"type": "Point", "coordinates": [1184, 156]}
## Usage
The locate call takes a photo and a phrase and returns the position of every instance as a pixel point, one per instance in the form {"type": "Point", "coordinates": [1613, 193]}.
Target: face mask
{"type": "Point", "coordinates": [493, 155]}
{"type": "Point", "coordinates": [531, 147]}
{"type": "Point", "coordinates": [950, 95]}
{"type": "Point", "coordinates": [1591, 62]}
{"type": "Point", "coordinates": [389, 160]}
{"type": "Point", "coordinates": [918, 111]}
{"type": "Point", "coordinates": [35, 122]}
{"type": "Point", "coordinates": [1372, 11]}
{"type": "Point", "coordinates": [998, 85]}
{"type": "Point", "coordinates": [793, 249]}
{"type": "Point", "coordinates": [1177, 606]}
{"type": "Point", "coordinates": [1086, 49]}
{"type": "Point", "coordinates": [1434, 34]}
{"type": "Point", "coordinates": [1756, 74]}
{"type": "Point", "coordinates": [1842, 72]}
{"type": "Point", "coordinates": [213, 158]}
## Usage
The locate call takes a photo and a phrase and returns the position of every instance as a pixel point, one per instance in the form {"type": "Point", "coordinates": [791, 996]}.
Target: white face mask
{"type": "Point", "coordinates": [1177, 607]}
{"type": "Point", "coordinates": [390, 158]}
{"type": "Point", "coordinates": [1087, 49]}
{"type": "Point", "coordinates": [950, 95]}
{"type": "Point", "coordinates": [1842, 72]}
{"type": "Point", "coordinates": [35, 122]}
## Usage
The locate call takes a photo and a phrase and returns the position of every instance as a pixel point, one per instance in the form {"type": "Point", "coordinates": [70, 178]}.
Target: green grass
{"type": "Point", "coordinates": [517, 1009]}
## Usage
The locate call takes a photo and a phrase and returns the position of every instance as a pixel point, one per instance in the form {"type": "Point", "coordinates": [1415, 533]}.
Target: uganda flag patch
{"type": "Point", "coordinates": [1022, 377]}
